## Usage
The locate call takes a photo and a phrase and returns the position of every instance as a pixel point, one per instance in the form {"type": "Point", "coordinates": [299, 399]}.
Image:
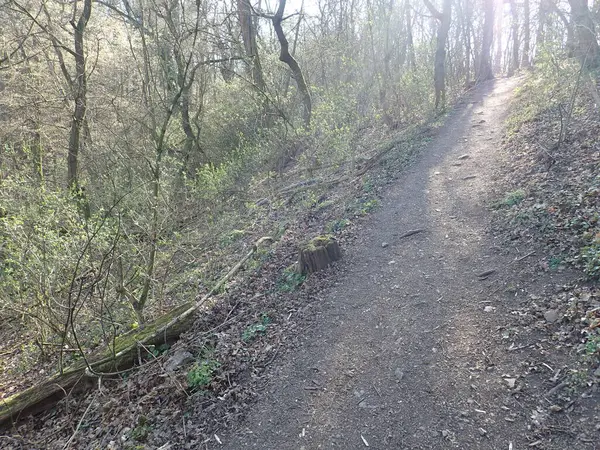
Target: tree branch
{"type": "Point", "coordinates": [432, 9]}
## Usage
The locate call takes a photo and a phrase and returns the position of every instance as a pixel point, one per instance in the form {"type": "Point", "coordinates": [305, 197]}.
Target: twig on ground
{"type": "Point", "coordinates": [526, 256]}
{"type": "Point", "coordinates": [556, 388]}
{"type": "Point", "coordinates": [411, 232]}
{"type": "Point", "coordinates": [70, 441]}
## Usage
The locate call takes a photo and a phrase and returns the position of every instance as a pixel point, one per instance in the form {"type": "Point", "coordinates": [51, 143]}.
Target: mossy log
{"type": "Point", "coordinates": [318, 254]}
{"type": "Point", "coordinates": [122, 354]}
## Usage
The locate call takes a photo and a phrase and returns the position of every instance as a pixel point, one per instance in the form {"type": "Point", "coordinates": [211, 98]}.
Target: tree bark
{"type": "Point", "coordinates": [485, 64]}
{"type": "Point", "coordinates": [570, 43]}
{"type": "Point", "coordinates": [514, 65]}
{"type": "Point", "coordinates": [586, 47]}
{"type": "Point", "coordinates": [248, 28]}
{"type": "Point", "coordinates": [79, 96]}
{"type": "Point", "coordinates": [410, 46]}
{"type": "Point", "coordinates": [466, 18]}
{"type": "Point", "coordinates": [318, 254]}
{"type": "Point", "coordinates": [525, 61]}
{"type": "Point", "coordinates": [439, 69]}
{"type": "Point", "coordinates": [286, 57]}
{"type": "Point", "coordinates": [542, 19]}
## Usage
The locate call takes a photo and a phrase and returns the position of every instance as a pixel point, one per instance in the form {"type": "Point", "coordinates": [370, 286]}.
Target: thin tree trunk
{"type": "Point", "coordinates": [286, 84]}
{"type": "Point", "coordinates": [286, 57]}
{"type": "Point", "coordinates": [525, 61]}
{"type": "Point", "coordinates": [468, 45]}
{"type": "Point", "coordinates": [542, 19]}
{"type": "Point", "coordinates": [514, 64]}
{"type": "Point", "coordinates": [485, 64]}
{"type": "Point", "coordinates": [412, 64]}
{"type": "Point", "coordinates": [439, 69]}
{"type": "Point", "coordinates": [80, 98]}
{"type": "Point", "coordinates": [498, 33]}
{"type": "Point", "coordinates": [586, 47]}
{"type": "Point", "coordinates": [570, 44]}
{"type": "Point", "coordinates": [248, 28]}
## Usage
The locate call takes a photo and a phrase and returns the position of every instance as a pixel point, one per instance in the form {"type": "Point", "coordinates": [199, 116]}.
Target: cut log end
{"type": "Point", "coordinates": [318, 254]}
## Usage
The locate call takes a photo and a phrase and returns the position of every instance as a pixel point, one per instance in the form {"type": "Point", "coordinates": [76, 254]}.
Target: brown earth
{"type": "Point", "coordinates": [409, 349]}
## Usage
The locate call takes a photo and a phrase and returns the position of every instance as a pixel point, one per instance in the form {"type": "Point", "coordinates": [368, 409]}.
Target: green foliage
{"type": "Point", "coordinates": [368, 186]}
{"type": "Point", "coordinates": [363, 206]}
{"type": "Point", "coordinates": [555, 261]}
{"type": "Point", "coordinates": [142, 430]}
{"type": "Point", "coordinates": [201, 374]}
{"type": "Point", "coordinates": [50, 255]}
{"type": "Point", "coordinates": [290, 280]}
{"type": "Point", "coordinates": [335, 226]}
{"type": "Point", "coordinates": [513, 198]}
{"type": "Point", "coordinates": [592, 345]}
{"type": "Point", "coordinates": [158, 350]}
{"type": "Point", "coordinates": [333, 129]}
{"type": "Point", "coordinates": [256, 329]}
{"type": "Point", "coordinates": [231, 237]}
{"type": "Point", "coordinates": [546, 89]}
{"type": "Point", "coordinates": [590, 256]}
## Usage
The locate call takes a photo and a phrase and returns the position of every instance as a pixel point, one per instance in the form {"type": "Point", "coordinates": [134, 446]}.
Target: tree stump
{"type": "Point", "coordinates": [318, 254]}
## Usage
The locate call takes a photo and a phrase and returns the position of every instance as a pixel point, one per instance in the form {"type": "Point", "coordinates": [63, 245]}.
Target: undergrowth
{"type": "Point", "coordinates": [552, 194]}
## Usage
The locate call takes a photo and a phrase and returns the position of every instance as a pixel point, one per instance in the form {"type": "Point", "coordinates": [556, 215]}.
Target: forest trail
{"type": "Point", "coordinates": [399, 354]}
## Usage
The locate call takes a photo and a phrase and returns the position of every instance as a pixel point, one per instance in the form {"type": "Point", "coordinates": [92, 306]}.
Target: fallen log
{"type": "Point", "coordinates": [121, 355]}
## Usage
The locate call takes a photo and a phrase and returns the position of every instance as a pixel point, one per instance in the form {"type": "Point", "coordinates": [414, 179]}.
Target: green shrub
{"type": "Point", "coordinates": [514, 198]}
{"type": "Point", "coordinates": [201, 374]}
{"type": "Point", "coordinates": [258, 328]}
{"type": "Point", "coordinates": [335, 226]}
{"type": "Point", "coordinates": [590, 256]}
{"type": "Point", "coordinates": [290, 280]}
{"type": "Point", "coordinates": [142, 430]}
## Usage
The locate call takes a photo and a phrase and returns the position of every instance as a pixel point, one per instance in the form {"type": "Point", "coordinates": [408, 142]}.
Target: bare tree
{"type": "Point", "coordinates": [444, 18]}
{"type": "Point", "coordinates": [526, 61]}
{"type": "Point", "coordinates": [586, 43]}
{"type": "Point", "coordinates": [410, 46]}
{"type": "Point", "coordinates": [286, 57]}
{"type": "Point", "coordinates": [567, 24]}
{"type": "Point", "coordinates": [79, 94]}
{"type": "Point", "coordinates": [514, 16]}
{"type": "Point", "coordinates": [249, 37]}
{"type": "Point", "coordinates": [485, 64]}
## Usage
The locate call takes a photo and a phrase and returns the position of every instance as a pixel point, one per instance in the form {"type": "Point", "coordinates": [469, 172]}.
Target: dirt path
{"type": "Point", "coordinates": [398, 355]}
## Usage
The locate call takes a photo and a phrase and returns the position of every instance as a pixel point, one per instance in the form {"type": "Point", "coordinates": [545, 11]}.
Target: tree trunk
{"type": "Point", "coordinates": [570, 43]}
{"type": "Point", "coordinates": [514, 64]}
{"type": "Point", "coordinates": [318, 254]}
{"type": "Point", "coordinates": [485, 64]}
{"type": "Point", "coordinates": [439, 69]}
{"type": "Point", "coordinates": [248, 28]}
{"type": "Point", "coordinates": [467, 19]}
{"type": "Point", "coordinates": [410, 46]}
{"type": "Point", "coordinates": [525, 61]}
{"type": "Point", "coordinates": [80, 98]}
{"type": "Point", "coordinates": [586, 47]}
{"type": "Point", "coordinates": [542, 19]}
{"type": "Point", "coordinates": [286, 57]}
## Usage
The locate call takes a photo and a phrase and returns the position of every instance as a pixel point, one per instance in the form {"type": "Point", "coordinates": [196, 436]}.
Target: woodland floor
{"type": "Point", "coordinates": [412, 341]}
